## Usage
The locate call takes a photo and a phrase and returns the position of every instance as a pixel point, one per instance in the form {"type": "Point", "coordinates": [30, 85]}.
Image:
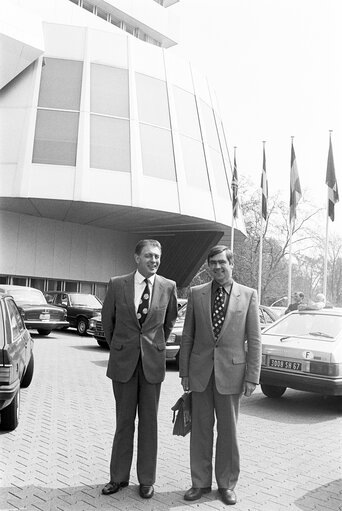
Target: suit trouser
{"type": "Point", "coordinates": [227, 460]}
{"type": "Point", "coordinates": [136, 394]}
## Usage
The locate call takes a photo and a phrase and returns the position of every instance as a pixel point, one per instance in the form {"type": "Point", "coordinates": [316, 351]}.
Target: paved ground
{"type": "Point", "coordinates": [58, 457]}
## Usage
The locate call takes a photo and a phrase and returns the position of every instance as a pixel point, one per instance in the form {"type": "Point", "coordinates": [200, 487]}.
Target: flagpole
{"type": "Point", "coordinates": [233, 216]}
{"type": "Point", "coordinates": [289, 284]}
{"type": "Point", "coordinates": [261, 235]}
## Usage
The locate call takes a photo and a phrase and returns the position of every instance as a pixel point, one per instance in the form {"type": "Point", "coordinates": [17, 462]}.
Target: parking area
{"type": "Point", "coordinates": [58, 457]}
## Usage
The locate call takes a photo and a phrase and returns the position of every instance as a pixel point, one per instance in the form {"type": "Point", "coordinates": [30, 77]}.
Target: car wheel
{"type": "Point", "coordinates": [10, 414]}
{"type": "Point", "coordinates": [28, 375]}
{"type": "Point", "coordinates": [272, 390]}
{"type": "Point", "coordinates": [82, 326]}
{"type": "Point", "coordinates": [103, 344]}
{"type": "Point", "coordinates": [44, 332]}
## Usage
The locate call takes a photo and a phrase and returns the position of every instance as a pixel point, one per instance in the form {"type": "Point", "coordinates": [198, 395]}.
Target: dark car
{"type": "Point", "coordinates": [16, 363]}
{"type": "Point", "coordinates": [80, 307]}
{"type": "Point", "coordinates": [266, 316]}
{"type": "Point", "coordinates": [35, 311]}
{"type": "Point", "coordinates": [96, 329]}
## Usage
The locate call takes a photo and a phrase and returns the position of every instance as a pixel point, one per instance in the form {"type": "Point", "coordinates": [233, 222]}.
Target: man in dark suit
{"type": "Point", "coordinates": [220, 360]}
{"type": "Point", "coordinates": [138, 314]}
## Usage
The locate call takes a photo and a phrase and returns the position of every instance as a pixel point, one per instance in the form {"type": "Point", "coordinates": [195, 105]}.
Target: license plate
{"type": "Point", "coordinates": [285, 364]}
{"type": "Point", "coordinates": [44, 317]}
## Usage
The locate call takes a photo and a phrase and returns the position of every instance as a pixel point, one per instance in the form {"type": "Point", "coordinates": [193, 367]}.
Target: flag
{"type": "Point", "coordinates": [264, 187]}
{"type": "Point", "coordinates": [235, 189]}
{"type": "Point", "coordinates": [295, 189]}
{"type": "Point", "coordinates": [330, 180]}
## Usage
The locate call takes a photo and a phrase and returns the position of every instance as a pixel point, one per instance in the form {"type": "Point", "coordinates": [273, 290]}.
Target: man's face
{"type": "Point", "coordinates": [297, 298]}
{"type": "Point", "coordinates": [221, 269]}
{"type": "Point", "coordinates": [148, 260]}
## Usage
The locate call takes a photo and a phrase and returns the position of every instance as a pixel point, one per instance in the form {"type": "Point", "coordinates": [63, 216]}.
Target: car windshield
{"type": "Point", "coordinates": [182, 312]}
{"type": "Point", "coordinates": [27, 296]}
{"type": "Point", "coordinates": [324, 327]}
{"type": "Point", "coordinates": [85, 300]}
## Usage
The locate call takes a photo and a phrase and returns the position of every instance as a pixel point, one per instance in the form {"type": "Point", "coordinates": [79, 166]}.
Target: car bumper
{"type": "Point", "coordinates": [307, 383]}
{"type": "Point", "coordinates": [98, 335]}
{"type": "Point", "coordinates": [46, 325]}
{"type": "Point", "coordinates": [7, 393]}
{"type": "Point", "coordinates": [172, 351]}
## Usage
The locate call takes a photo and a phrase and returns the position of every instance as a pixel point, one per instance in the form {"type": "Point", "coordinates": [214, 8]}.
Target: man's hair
{"type": "Point", "coordinates": [300, 294]}
{"type": "Point", "coordinates": [142, 243]}
{"type": "Point", "coordinates": [218, 249]}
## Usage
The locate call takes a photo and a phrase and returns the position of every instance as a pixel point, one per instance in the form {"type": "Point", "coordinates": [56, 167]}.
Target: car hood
{"type": "Point", "coordinates": [298, 347]}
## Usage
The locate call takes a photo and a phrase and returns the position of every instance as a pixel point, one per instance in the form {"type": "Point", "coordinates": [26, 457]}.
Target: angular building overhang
{"type": "Point", "coordinates": [21, 41]}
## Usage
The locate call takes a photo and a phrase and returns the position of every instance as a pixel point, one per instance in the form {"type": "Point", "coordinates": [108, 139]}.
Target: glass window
{"type": "Point", "coordinates": [153, 105]}
{"type": "Point", "coordinates": [187, 115]}
{"type": "Point", "coordinates": [129, 28]}
{"type": "Point", "coordinates": [19, 281]}
{"type": "Point", "coordinates": [15, 319]}
{"type": "Point", "coordinates": [60, 85]}
{"type": "Point", "coordinates": [109, 143]}
{"type": "Point", "coordinates": [37, 284]}
{"type": "Point", "coordinates": [3, 279]}
{"type": "Point", "coordinates": [86, 287]}
{"type": "Point", "coordinates": [71, 286]}
{"type": "Point", "coordinates": [101, 13]}
{"type": "Point", "coordinates": [115, 21]}
{"type": "Point", "coordinates": [109, 91]}
{"type": "Point", "coordinates": [219, 173]}
{"type": "Point", "coordinates": [210, 126]}
{"type": "Point", "coordinates": [55, 140]}
{"type": "Point", "coordinates": [157, 152]}
{"type": "Point", "coordinates": [54, 285]}
{"type": "Point", "coordinates": [100, 291]}
{"type": "Point", "coordinates": [194, 163]}
{"type": "Point", "coordinates": [87, 5]}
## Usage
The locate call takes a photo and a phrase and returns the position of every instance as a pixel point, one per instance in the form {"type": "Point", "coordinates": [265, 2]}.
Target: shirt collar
{"type": "Point", "coordinates": [226, 287]}
{"type": "Point", "coordinates": [140, 278]}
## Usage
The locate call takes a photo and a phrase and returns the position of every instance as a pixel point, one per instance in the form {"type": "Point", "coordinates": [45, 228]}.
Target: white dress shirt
{"type": "Point", "coordinates": [139, 287]}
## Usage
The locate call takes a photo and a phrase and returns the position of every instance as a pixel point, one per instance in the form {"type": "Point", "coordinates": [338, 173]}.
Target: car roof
{"type": "Point", "coordinates": [8, 287]}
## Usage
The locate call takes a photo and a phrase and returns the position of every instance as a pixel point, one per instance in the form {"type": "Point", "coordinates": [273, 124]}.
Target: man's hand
{"type": "Point", "coordinates": [249, 388]}
{"type": "Point", "coordinates": [185, 383]}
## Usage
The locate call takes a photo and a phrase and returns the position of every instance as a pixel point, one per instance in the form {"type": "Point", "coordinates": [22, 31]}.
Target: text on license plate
{"type": "Point", "coordinates": [285, 364]}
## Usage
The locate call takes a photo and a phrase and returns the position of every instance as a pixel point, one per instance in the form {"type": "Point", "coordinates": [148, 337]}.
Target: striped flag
{"type": "Point", "coordinates": [235, 185]}
{"type": "Point", "coordinates": [330, 180]}
{"type": "Point", "coordinates": [264, 187]}
{"type": "Point", "coordinates": [295, 189]}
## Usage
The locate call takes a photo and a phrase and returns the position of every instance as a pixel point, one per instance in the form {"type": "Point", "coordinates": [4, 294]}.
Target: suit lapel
{"type": "Point", "coordinates": [233, 306]}
{"type": "Point", "coordinates": [206, 307]}
{"type": "Point", "coordinates": [129, 295]}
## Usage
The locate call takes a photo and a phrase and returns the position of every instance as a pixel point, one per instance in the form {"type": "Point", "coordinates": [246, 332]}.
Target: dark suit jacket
{"type": "Point", "coordinates": [200, 354]}
{"type": "Point", "coordinates": [127, 340]}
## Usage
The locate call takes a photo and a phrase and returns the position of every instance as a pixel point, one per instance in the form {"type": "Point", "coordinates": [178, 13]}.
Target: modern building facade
{"type": "Point", "coordinates": [106, 138]}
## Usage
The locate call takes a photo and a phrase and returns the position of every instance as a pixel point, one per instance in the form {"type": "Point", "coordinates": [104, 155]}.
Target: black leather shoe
{"type": "Point", "coordinates": [196, 493]}
{"type": "Point", "coordinates": [112, 487]}
{"type": "Point", "coordinates": [228, 496]}
{"type": "Point", "coordinates": [146, 491]}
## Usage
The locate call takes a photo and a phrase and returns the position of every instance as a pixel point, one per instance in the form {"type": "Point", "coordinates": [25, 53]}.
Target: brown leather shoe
{"type": "Point", "coordinates": [113, 487]}
{"type": "Point", "coordinates": [146, 491]}
{"type": "Point", "coordinates": [196, 493]}
{"type": "Point", "coordinates": [228, 496]}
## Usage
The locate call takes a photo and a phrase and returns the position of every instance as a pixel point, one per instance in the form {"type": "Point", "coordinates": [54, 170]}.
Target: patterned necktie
{"type": "Point", "coordinates": [218, 312]}
{"type": "Point", "coordinates": [143, 304]}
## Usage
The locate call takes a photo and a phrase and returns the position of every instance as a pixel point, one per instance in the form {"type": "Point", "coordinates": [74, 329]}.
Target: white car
{"type": "Point", "coordinates": [303, 351]}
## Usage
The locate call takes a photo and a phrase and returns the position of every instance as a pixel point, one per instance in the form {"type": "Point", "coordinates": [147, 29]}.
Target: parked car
{"type": "Point", "coordinates": [35, 311]}
{"type": "Point", "coordinates": [173, 343]}
{"type": "Point", "coordinates": [96, 329]}
{"type": "Point", "coordinates": [303, 351]}
{"type": "Point", "coordinates": [16, 362]}
{"type": "Point", "coordinates": [80, 307]}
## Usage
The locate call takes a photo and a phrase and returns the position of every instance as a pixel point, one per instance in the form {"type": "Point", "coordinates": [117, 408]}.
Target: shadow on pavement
{"type": "Point", "coordinates": [293, 407]}
{"type": "Point", "coordinates": [89, 496]}
{"type": "Point", "coordinates": [328, 496]}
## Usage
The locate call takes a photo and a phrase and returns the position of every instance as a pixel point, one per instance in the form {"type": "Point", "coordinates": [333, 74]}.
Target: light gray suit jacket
{"type": "Point", "coordinates": [236, 355]}
{"type": "Point", "coordinates": [127, 339]}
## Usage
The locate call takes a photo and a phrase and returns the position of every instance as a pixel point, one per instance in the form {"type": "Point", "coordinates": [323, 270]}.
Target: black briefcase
{"type": "Point", "coordinates": [182, 415]}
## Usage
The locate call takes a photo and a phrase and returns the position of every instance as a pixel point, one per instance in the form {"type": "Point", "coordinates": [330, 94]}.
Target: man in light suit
{"type": "Point", "coordinates": [220, 359]}
{"type": "Point", "coordinates": [138, 314]}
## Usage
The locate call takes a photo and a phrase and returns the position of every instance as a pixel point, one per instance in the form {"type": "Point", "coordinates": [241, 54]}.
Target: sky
{"type": "Point", "coordinates": [276, 66]}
